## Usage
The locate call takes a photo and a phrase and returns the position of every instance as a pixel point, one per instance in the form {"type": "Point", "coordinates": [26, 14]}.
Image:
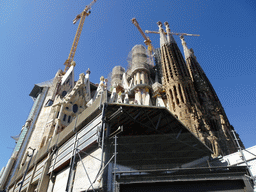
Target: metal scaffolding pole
{"type": "Point", "coordinates": [72, 165]}
{"type": "Point", "coordinates": [243, 157]}
{"type": "Point", "coordinates": [21, 183]}
{"type": "Point", "coordinates": [86, 172]}
{"type": "Point", "coordinates": [102, 140]}
{"type": "Point", "coordinates": [115, 154]}
{"type": "Point", "coordinates": [72, 162]}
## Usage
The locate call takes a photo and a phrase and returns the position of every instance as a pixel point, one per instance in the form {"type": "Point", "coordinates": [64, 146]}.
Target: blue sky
{"type": "Point", "coordinates": [36, 37]}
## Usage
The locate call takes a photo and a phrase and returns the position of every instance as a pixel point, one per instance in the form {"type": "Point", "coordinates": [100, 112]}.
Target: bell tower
{"type": "Point", "coordinates": [177, 82]}
{"type": "Point", "coordinates": [214, 114]}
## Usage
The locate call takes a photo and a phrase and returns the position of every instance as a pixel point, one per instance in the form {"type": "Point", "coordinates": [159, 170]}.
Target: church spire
{"type": "Point", "coordinates": [173, 62]}
{"type": "Point", "coordinates": [163, 39]}
{"type": "Point", "coordinates": [209, 102]}
{"type": "Point", "coordinates": [170, 38]}
{"type": "Point", "coordinates": [177, 82]}
{"type": "Point", "coordinates": [188, 53]}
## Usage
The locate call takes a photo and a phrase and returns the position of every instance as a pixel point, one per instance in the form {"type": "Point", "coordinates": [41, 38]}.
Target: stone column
{"type": "Point", "coordinates": [143, 77]}
{"type": "Point", "coordinates": [138, 78]}
{"type": "Point", "coordinates": [58, 121]}
{"type": "Point", "coordinates": [135, 79]}
{"type": "Point", "coordinates": [172, 100]}
{"type": "Point", "coordinates": [180, 94]}
{"type": "Point", "coordinates": [183, 93]}
{"type": "Point", "coordinates": [143, 95]}
{"type": "Point", "coordinates": [146, 100]}
{"type": "Point", "coordinates": [137, 97]}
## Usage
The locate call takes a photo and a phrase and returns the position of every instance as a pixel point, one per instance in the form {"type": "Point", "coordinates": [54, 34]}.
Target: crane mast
{"type": "Point", "coordinates": [86, 12]}
{"type": "Point", "coordinates": [147, 41]}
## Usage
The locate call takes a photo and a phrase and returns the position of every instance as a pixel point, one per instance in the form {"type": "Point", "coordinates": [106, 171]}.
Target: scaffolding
{"type": "Point", "coordinates": [250, 175]}
{"type": "Point", "coordinates": [138, 59]}
{"type": "Point", "coordinates": [137, 145]}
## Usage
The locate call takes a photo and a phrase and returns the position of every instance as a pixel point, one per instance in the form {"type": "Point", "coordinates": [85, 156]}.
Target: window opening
{"type": "Point", "coordinates": [176, 95]}
{"type": "Point", "coordinates": [75, 108]}
{"type": "Point", "coordinates": [181, 96]}
{"type": "Point", "coordinates": [64, 93]}
{"type": "Point", "coordinates": [49, 103]}
{"type": "Point", "coordinates": [64, 118]}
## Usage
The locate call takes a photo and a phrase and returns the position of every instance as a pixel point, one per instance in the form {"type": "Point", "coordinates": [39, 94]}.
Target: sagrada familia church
{"type": "Point", "coordinates": [158, 127]}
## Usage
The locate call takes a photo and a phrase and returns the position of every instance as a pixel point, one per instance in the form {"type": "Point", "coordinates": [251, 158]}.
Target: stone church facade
{"type": "Point", "coordinates": [174, 83]}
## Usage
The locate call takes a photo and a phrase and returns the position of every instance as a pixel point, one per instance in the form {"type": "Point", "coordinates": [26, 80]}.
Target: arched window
{"type": "Point", "coordinates": [176, 95]}
{"type": "Point", "coordinates": [64, 93]}
{"type": "Point", "coordinates": [75, 108]}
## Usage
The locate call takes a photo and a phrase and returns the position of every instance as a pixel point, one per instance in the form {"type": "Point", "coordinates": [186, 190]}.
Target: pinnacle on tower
{"type": "Point", "coordinates": [170, 38]}
{"type": "Point", "coordinates": [188, 53]}
{"type": "Point", "coordinates": [174, 62]}
{"type": "Point", "coordinates": [163, 39]}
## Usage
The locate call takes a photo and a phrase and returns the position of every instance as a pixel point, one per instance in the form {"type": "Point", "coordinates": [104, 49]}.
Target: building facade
{"type": "Point", "coordinates": [81, 137]}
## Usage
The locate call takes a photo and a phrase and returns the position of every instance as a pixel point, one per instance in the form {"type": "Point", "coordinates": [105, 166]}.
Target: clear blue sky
{"type": "Point", "coordinates": [36, 37]}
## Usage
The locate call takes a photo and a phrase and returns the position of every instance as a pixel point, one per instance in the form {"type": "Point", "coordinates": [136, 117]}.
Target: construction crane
{"type": "Point", "coordinates": [82, 17]}
{"type": "Point", "coordinates": [183, 34]}
{"type": "Point", "coordinates": [147, 41]}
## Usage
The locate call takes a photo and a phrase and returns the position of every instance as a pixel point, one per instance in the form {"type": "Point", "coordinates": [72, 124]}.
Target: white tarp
{"type": "Point", "coordinates": [69, 75]}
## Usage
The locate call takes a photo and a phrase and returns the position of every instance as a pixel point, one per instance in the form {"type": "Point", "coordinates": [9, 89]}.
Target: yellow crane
{"type": "Point", "coordinates": [147, 41]}
{"type": "Point", "coordinates": [82, 17]}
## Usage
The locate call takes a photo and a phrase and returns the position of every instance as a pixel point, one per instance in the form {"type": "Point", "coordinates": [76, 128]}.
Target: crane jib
{"type": "Point", "coordinates": [80, 16]}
